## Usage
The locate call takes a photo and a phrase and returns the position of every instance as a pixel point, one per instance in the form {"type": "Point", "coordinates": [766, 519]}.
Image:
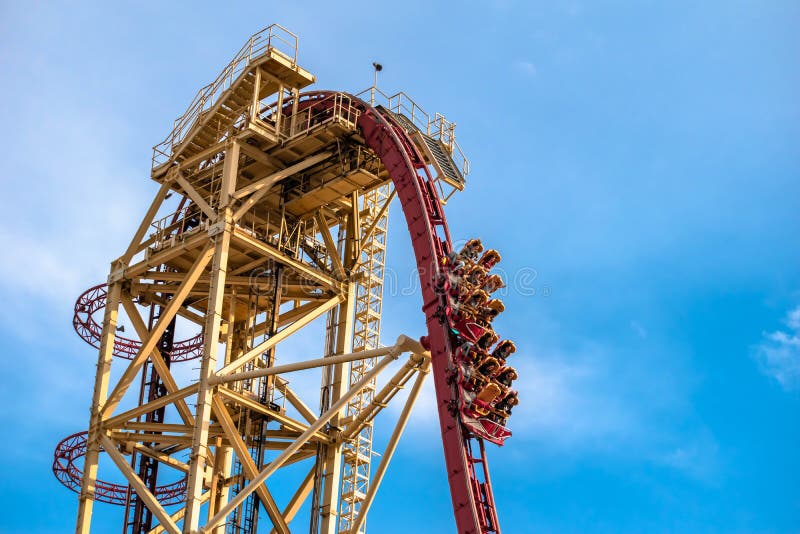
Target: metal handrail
{"type": "Point", "coordinates": [274, 38]}
{"type": "Point", "coordinates": [437, 127]}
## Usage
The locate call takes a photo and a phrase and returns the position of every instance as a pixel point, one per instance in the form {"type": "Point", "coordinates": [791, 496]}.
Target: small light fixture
{"type": "Point", "coordinates": [121, 328]}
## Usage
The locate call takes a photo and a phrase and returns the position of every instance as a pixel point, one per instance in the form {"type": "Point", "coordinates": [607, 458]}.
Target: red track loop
{"type": "Point", "coordinates": [93, 300]}
{"type": "Point", "coordinates": [470, 487]}
{"type": "Point", "coordinates": [73, 448]}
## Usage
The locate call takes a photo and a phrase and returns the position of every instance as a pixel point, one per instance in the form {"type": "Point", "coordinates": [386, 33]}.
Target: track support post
{"type": "Point", "coordinates": [101, 383]}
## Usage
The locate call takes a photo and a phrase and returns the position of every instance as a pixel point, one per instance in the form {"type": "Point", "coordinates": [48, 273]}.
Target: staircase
{"type": "Point", "coordinates": [218, 106]}
{"type": "Point", "coordinates": [434, 150]}
{"type": "Point", "coordinates": [443, 160]}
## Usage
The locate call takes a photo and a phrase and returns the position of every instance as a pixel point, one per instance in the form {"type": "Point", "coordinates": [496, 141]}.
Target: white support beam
{"type": "Point", "coordinates": [102, 380]}
{"type": "Point", "coordinates": [391, 447]}
{"type": "Point", "coordinates": [248, 465]}
{"type": "Point", "coordinates": [158, 361]}
{"type": "Point", "coordinates": [196, 197]}
{"type": "Point", "coordinates": [277, 338]}
{"type": "Point", "coordinates": [134, 246]}
{"type": "Point", "coordinates": [333, 253]}
{"type": "Point", "coordinates": [304, 437]}
{"type": "Point", "coordinates": [129, 375]}
{"type": "Point", "coordinates": [299, 366]}
{"type": "Point", "coordinates": [142, 492]}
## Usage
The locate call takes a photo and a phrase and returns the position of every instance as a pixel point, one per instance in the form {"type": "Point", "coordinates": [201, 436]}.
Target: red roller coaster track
{"type": "Point", "coordinates": [73, 447]}
{"type": "Point", "coordinates": [465, 458]}
{"type": "Point", "coordinates": [468, 474]}
{"type": "Point", "coordinates": [93, 300]}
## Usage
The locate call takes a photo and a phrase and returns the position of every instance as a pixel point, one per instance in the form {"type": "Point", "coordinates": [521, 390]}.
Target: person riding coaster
{"type": "Point", "coordinates": [475, 275]}
{"type": "Point", "coordinates": [506, 403]}
{"type": "Point", "coordinates": [492, 283]}
{"type": "Point", "coordinates": [504, 349]}
{"type": "Point", "coordinates": [460, 287]}
{"type": "Point", "coordinates": [506, 375]}
{"type": "Point", "coordinates": [477, 299]}
{"type": "Point", "coordinates": [471, 250]}
{"type": "Point", "coordinates": [487, 339]}
{"type": "Point", "coordinates": [489, 367]}
{"type": "Point", "coordinates": [466, 256]}
{"type": "Point", "coordinates": [489, 259]}
{"type": "Point", "coordinates": [486, 314]}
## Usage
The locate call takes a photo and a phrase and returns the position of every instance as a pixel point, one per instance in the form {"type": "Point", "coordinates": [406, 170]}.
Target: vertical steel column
{"type": "Point", "coordinates": [333, 459]}
{"type": "Point", "coordinates": [356, 468]}
{"type": "Point", "coordinates": [221, 236]}
{"type": "Point", "coordinates": [101, 382]}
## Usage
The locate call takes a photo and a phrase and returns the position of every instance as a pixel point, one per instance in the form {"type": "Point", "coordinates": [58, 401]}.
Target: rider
{"type": "Point", "coordinates": [504, 349]}
{"type": "Point", "coordinates": [489, 259]}
{"type": "Point", "coordinates": [506, 376]}
{"type": "Point", "coordinates": [487, 339]}
{"type": "Point", "coordinates": [492, 283]}
{"type": "Point", "coordinates": [487, 314]}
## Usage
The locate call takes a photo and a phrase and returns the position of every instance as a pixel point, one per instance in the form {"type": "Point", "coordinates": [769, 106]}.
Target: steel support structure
{"type": "Point", "coordinates": [261, 178]}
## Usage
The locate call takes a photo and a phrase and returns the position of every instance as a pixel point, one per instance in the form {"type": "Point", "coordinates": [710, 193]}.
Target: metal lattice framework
{"type": "Point", "coordinates": [261, 178]}
{"type": "Point", "coordinates": [366, 335]}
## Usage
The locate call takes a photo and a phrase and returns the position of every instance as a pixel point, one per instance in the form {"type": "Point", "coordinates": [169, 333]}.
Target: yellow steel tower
{"type": "Point", "coordinates": [271, 213]}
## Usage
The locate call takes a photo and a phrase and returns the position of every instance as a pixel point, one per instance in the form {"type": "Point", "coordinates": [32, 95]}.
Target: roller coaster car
{"type": "Point", "coordinates": [477, 421]}
{"type": "Point", "coordinates": [489, 259]}
{"type": "Point", "coordinates": [492, 283]}
{"type": "Point", "coordinates": [483, 427]}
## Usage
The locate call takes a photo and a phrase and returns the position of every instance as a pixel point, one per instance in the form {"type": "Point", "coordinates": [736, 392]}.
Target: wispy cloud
{"type": "Point", "coordinates": [639, 329]}
{"type": "Point", "coordinates": [698, 457]}
{"type": "Point", "coordinates": [525, 68]}
{"type": "Point", "coordinates": [778, 354]}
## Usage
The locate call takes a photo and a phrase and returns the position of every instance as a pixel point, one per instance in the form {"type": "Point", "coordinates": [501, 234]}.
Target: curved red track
{"type": "Point", "coordinates": [94, 299]}
{"type": "Point", "coordinates": [467, 470]}
{"type": "Point", "coordinates": [69, 473]}
{"type": "Point", "coordinates": [468, 476]}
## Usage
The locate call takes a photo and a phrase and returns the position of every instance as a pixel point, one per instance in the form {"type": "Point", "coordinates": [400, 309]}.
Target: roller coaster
{"type": "Point", "coordinates": [271, 214]}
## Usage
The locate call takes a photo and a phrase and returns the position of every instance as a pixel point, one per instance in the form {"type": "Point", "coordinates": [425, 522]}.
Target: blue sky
{"type": "Point", "coordinates": [635, 162]}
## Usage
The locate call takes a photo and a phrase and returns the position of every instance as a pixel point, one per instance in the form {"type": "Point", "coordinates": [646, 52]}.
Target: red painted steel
{"type": "Point", "coordinates": [93, 300]}
{"type": "Point", "coordinates": [473, 502]}
{"type": "Point", "coordinates": [65, 467]}
{"type": "Point", "coordinates": [468, 475]}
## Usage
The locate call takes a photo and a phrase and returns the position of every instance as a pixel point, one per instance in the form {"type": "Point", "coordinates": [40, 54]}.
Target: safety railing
{"type": "Point", "coordinates": [336, 108]}
{"type": "Point", "coordinates": [438, 127]}
{"type": "Point", "coordinates": [445, 131]}
{"type": "Point", "coordinates": [272, 39]}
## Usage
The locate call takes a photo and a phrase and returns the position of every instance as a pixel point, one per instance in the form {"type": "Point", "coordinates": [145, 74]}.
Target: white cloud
{"type": "Point", "coordinates": [566, 401]}
{"type": "Point", "coordinates": [697, 456]}
{"type": "Point", "coordinates": [525, 68]}
{"type": "Point", "coordinates": [778, 354]}
{"type": "Point", "coordinates": [639, 329]}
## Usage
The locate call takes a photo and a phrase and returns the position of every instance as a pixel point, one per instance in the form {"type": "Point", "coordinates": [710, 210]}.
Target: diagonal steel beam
{"type": "Point", "coordinates": [299, 497]}
{"type": "Point", "coordinates": [177, 516]}
{"type": "Point", "coordinates": [333, 253]}
{"type": "Point", "coordinates": [390, 447]}
{"type": "Point", "coordinates": [280, 336]}
{"type": "Point", "coordinates": [299, 366]}
{"type": "Point", "coordinates": [248, 465]}
{"type": "Point", "coordinates": [169, 398]}
{"type": "Point", "coordinates": [136, 242]}
{"type": "Point", "coordinates": [304, 437]}
{"type": "Point", "coordinates": [149, 344]}
{"type": "Point", "coordinates": [297, 402]}
{"type": "Point", "coordinates": [142, 492]}
{"type": "Point", "coordinates": [158, 361]}
{"type": "Point", "coordinates": [310, 273]}
{"type": "Point", "coordinates": [196, 197]}
{"type": "Point", "coordinates": [255, 406]}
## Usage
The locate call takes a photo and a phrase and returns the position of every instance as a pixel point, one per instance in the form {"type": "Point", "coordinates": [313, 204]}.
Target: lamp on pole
{"type": "Point", "coordinates": [377, 68]}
